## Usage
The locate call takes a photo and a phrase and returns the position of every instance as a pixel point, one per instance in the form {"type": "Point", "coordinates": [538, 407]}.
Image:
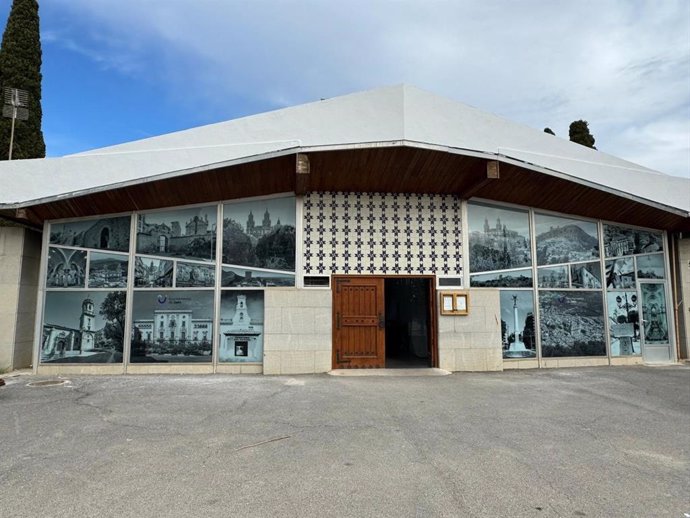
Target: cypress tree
{"type": "Point", "coordinates": [20, 67]}
{"type": "Point", "coordinates": [579, 132]}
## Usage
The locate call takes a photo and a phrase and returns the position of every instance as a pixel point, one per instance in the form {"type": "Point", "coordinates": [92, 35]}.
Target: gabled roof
{"type": "Point", "coordinates": [391, 116]}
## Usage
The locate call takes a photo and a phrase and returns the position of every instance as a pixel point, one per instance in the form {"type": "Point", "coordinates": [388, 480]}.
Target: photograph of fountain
{"type": "Point", "coordinates": [517, 324]}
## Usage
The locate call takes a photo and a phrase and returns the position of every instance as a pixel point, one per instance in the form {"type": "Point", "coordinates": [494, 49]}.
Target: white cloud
{"type": "Point", "coordinates": [622, 65]}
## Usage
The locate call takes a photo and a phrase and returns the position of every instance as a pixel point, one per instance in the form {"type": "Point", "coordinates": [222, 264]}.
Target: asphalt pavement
{"type": "Point", "coordinates": [595, 442]}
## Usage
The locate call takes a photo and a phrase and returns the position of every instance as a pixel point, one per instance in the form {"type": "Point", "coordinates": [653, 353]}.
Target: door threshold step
{"type": "Point", "coordinates": [390, 372]}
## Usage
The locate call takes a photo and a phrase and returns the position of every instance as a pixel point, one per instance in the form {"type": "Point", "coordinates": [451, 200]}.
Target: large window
{"type": "Point", "coordinates": [86, 283]}
{"type": "Point", "coordinates": [589, 303]}
{"type": "Point", "coordinates": [168, 279]}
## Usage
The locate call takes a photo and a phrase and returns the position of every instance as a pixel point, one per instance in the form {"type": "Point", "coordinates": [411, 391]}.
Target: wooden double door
{"type": "Point", "coordinates": [359, 322]}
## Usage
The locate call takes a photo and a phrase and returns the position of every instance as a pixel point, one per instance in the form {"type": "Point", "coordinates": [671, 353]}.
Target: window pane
{"type": "Point", "coordinates": [260, 234]}
{"type": "Point", "coordinates": [654, 313]}
{"type": "Point", "coordinates": [499, 238]}
{"type": "Point", "coordinates": [650, 266]}
{"type": "Point", "coordinates": [241, 326]}
{"type": "Point", "coordinates": [153, 273]}
{"type": "Point", "coordinates": [624, 322]}
{"type": "Point", "coordinates": [517, 324]}
{"type": "Point", "coordinates": [106, 234]}
{"type": "Point", "coordinates": [565, 240]}
{"type": "Point", "coordinates": [553, 277]}
{"type": "Point", "coordinates": [572, 323]}
{"type": "Point", "coordinates": [185, 233]}
{"type": "Point", "coordinates": [585, 275]}
{"type": "Point", "coordinates": [82, 327]}
{"type": "Point", "coordinates": [234, 277]}
{"type": "Point", "coordinates": [620, 273]}
{"type": "Point", "coordinates": [66, 268]}
{"type": "Point", "coordinates": [108, 270]}
{"type": "Point", "coordinates": [172, 326]}
{"type": "Point", "coordinates": [628, 241]}
{"type": "Point", "coordinates": [512, 279]}
{"type": "Point", "coordinates": [191, 275]}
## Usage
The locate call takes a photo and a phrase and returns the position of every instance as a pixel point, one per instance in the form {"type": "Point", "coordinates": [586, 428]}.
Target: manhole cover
{"type": "Point", "coordinates": [47, 383]}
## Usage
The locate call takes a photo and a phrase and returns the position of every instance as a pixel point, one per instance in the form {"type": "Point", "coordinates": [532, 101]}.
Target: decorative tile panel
{"type": "Point", "coordinates": [382, 233]}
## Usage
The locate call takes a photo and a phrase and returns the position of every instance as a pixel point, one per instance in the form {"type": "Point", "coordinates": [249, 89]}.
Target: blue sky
{"type": "Point", "coordinates": [121, 70]}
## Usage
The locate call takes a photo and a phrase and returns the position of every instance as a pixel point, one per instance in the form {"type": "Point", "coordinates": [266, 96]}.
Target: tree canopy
{"type": "Point", "coordinates": [579, 133]}
{"type": "Point", "coordinates": [549, 131]}
{"type": "Point", "coordinates": [20, 67]}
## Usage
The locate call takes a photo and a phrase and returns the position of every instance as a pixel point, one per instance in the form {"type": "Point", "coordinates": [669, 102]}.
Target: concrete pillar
{"type": "Point", "coordinates": [20, 252]}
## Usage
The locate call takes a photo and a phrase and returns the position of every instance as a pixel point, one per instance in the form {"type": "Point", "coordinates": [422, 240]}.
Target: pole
{"type": "Point", "coordinates": [14, 117]}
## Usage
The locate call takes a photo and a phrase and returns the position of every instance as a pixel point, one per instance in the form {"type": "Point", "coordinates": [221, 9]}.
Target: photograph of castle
{"type": "Point", "coordinates": [66, 268]}
{"type": "Point", "coordinates": [241, 326]}
{"type": "Point", "coordinates": [153, 273]}
{"type": "Point", "coordinates": [553, 277]}
{"type": "Point", "coordinates": [104, 234]}
{"type": "Point", "coordinates": [650, 266]}
{"type": "Point", "coordinates": [172, 326]}
{"type": "Point", "coordinates": [82, 327]}
{"type": "Point", "coordinates": [624, 322]}
{"type": "Point", "coordinates": [260, 234]}
{"type": "Point", "coordinates": [620, 241]}
{"type": "Point", "coordinates": [571, 323]}
{"type": "Point", "coordinates": [620, 273]}
{"type": "Point", "coordinates": [565, 240]}
{"type": "Point", "coordinates": [585, 275]}
{"type": "Point", "coordinates": [107, 270]}
{"type": "Point", "coordinates": [233, 277]}
{"type": "Point", "coordinates": [184, 233]}
{"type": "Point", "coordinates": [511, 279]}
{"type": "Point", "coordinates": [499, 239]}
{"type": "Point", "coordinates": [518, 333]}
{"type": "Point", "coordinates": [190, 275]}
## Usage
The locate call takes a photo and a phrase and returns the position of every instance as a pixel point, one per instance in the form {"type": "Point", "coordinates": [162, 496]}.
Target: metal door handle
{"type": "Point", "coordinates": [382, 321]}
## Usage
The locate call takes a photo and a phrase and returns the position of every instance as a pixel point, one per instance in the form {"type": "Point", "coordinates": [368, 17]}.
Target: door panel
{"type": "Point", "coordinates": [359, 333]}
{"type": "Point", "coordinates": [654, 329]}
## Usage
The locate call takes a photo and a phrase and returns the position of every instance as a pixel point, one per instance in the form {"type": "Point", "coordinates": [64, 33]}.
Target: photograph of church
{"type": "Point", "coordinates": [301, 241]}
{"type": "Point", "coordinates": [83, 327]}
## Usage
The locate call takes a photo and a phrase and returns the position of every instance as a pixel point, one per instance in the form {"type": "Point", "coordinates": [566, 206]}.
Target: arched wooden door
{"type": "Point", "coordinates": [359, 333]}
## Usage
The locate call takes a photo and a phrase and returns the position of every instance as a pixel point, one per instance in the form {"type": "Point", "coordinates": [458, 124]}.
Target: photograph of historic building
{"type": "Point", "coordinates": [191, 275]}
{"type": "Point", "coordinates": [153, 273]}
{"type": "Point", "coordinates": [620, 241]}
{"type": "Point", "coordinates": [66, 268]}
{"type": "Point", "coordinates": [172, 326]}
{"type": "Point", "coordinates": [83, 327]}
{"type": "Point", "coordinates": [233, 277]}
{"type": "Point", "coordinates": [107, 270]}
{"type": "Point", "coordinates": [105, 234]}
{"type": "Point", "coordinates": [553, 277]}
{"type": "Point", "coordinates": [241, 326]}
{"type": "Point", "coordinates": [260, 234]}
{"type": "Point", "coordinates": [499, 239]}
{"type": "Point", "coordinates": [184, 233]}
{"type": "Point", "coordinates": [585, 275]}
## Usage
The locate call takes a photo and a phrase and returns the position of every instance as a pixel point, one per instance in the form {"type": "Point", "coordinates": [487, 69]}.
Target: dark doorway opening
{"type": "Point", "coordinates": [408, 322]}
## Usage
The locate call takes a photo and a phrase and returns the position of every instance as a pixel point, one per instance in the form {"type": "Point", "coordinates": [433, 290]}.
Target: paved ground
{"type": "Point", "coordinates": [599, 442]}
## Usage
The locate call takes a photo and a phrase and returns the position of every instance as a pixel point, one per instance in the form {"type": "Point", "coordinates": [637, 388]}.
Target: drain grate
{"type": "Point", "coordinates": [47, 383]}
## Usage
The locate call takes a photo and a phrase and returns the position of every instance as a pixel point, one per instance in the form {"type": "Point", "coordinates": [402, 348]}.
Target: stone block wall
{"type": "Point", "coordinates": [20, 251]}
{"type": "Point", "coordinates": [297, 331]}
{"type": "Point", "coordinates": [472, 342]}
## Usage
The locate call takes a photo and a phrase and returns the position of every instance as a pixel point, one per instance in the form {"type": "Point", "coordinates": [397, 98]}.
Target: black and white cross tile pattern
{"type": "Point", "coordinates": [390, 234]}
